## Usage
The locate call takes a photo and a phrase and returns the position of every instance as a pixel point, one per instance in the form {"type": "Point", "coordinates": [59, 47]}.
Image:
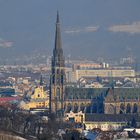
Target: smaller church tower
{"type": "Point", "coordinates": [57, 78]}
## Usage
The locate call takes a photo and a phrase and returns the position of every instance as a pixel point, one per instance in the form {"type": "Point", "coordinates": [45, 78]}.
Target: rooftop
{"type": "Point", "coordinates": [111, 117]}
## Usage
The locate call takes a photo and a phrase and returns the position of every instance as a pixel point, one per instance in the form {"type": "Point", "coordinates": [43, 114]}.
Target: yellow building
{"type": "Point", "coordinates": [108, 122]}
{"type": "Point", "coordinates": [38, 93]}
{"type": "Point", "coordinates": [105, 122]}
{"type": "Point", "coordinates": [75, 117]}
{"type": "Point", "coordinates": [105, 126]}
{"type": "Point", "coordinates": [39, 99]}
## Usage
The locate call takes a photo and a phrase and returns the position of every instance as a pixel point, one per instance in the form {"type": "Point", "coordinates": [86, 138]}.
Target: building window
{"type": "Point", "coordinates": [135, 108]}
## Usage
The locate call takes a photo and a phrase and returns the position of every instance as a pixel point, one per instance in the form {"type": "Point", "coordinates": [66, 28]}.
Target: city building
{"type": "Point", "coordinates": [122, 101]}
{"type": "Point", "coordinates": [39, 100]}
{"type": "Point", "coordinates": [109, 122]}
{"type": "Point", "coordinates": [79, 73]}
{"type": "Point", "coordinates": [100, 100]}
{"type": "Point", "coordinates": [105, 122]}
{"type": "Point", "coordinates": [74, 117]}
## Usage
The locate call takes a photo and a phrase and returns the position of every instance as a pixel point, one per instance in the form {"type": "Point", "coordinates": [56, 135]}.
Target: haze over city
{"type": "Point", "coordinates": [93, 28]}
{"type": "Point", "coordinates": [69, 70]}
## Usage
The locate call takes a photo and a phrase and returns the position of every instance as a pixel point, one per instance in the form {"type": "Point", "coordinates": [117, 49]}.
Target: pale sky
{"type": "Point", "coordinates": [90, 28]}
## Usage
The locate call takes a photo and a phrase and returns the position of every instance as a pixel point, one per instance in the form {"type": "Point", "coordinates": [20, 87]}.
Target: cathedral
{"type": "Point", "coordinates": [64, 99]}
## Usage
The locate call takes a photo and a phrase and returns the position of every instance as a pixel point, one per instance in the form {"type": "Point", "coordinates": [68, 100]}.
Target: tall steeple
{"type": "Point", "coordinates": [58, 52]}
{"type": "Point", "coordinates": [57, 34]}
{"type": "Point", "coordinates": [57, 78]}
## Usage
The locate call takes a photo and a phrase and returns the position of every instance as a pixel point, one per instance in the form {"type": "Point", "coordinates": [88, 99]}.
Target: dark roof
{"type": "Point", "coordinates": [129, 93]}
{"type": "Point", "coordinates": [7, 91]}
{"type": "Point", "coordinates": [83, 93]}
{"type": "Point", "coordinates": [111, 117]}
{"type": "Point", "coordinates": [89, 93]}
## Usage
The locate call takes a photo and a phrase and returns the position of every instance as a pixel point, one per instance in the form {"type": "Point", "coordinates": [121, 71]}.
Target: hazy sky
{"type": "Point", "coordinates": [90, 28]}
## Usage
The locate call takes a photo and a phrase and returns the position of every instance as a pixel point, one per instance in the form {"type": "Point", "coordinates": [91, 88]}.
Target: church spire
{"type": "Point", "coordinates": [57, 20]}
{"type": "Point", "coordinates": [58, 58]}
{"type": "Point", "coordinates": [57, 33]}
{"type": "Point", "coordinates": [57, 79]}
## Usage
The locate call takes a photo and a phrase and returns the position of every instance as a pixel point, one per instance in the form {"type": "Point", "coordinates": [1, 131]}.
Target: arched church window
{"type": "Point", "coordinates": [82, 107]}
{"type": "Point", "coordinates": [69, 108]}
{"type": "Point", "coordinates": [58, 93]}
{"type": "Point", "coordinates": [111, 109]}
{"type": "Point", "coordinates": [75, 110]}
{"type": "Point", "coordinates": [128, 108]}
{"type": "Point", "coordinates": [62, 78]}
{"type": "Point", "coordinates": [135, 108]}
{"type": "Point", "coordinates": [122, 109]}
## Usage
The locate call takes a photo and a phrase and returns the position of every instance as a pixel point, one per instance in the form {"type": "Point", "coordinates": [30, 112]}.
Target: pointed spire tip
{"type": "Point", "coordinates": [57, 20]}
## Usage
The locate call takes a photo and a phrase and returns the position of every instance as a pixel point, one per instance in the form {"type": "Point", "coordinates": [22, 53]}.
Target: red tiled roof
{"type": "Point", "coordinates": [8, 99]}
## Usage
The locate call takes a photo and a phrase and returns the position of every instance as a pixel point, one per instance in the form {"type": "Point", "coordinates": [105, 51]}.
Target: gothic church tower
{"type": "Point", "coordinates": [57, 78]}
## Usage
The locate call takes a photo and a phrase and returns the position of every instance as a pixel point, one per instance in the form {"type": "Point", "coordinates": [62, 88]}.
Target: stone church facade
{"type": "Point", "coordinates": [88, 100]}
{"type": "Point", "coordinates": [122, 101]}
{"type": "Point", "coordinates": [103, 100]}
